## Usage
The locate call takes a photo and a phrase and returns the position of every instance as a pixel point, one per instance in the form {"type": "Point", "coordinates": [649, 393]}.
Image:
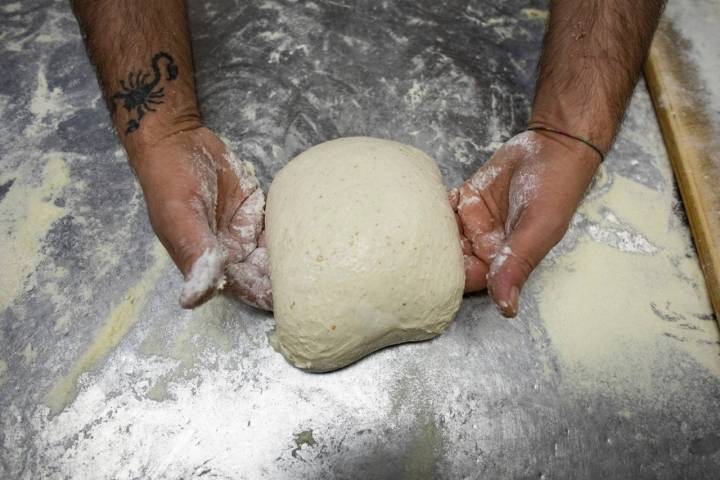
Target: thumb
{"type": "Point", "coordinates": [526, 245]}
{"type": "Point", "coordinates": [194, 248]}
{"type": "Point", "coordinates": [205, 277]}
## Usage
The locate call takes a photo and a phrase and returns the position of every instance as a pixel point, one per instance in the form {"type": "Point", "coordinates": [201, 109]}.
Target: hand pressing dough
{"type": "Point", "coordinates": [364, 251]}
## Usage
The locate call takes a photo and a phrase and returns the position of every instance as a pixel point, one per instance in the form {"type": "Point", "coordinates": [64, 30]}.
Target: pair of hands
{"type": "Point", "coordinates": [206, 208]}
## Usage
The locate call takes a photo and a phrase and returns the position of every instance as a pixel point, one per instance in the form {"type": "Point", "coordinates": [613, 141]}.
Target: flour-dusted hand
{"type": "Point", "coordinates": [207, 209]}
{"type": "Point", "coordinates": [519, 205]}
{"type": "Point", "coordinates": [204, 205]}
{"type": "Point", "coordinates": [516, 208]}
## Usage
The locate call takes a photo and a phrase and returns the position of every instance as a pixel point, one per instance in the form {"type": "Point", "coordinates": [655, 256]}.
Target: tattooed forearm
{"type": "Point", "coordinates": [140, 91]}
{"type": "Point", "coordinates": [141, 51]}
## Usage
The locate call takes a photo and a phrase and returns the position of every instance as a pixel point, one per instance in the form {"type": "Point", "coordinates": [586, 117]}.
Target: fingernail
{"type": "Point", "coordinates": [503, 307]}
{"type": "Point", "coordinates": [509, 308]}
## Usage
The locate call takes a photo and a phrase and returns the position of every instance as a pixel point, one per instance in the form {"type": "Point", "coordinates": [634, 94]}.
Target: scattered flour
{"type": "Point", "coordinates": [415, 94]}
{"type": "Point", "coordinates": [29, 354]}
{"type": "Point", "coordinates": [698, 24]}
{"type": "Point", "coordinates": [191, 427]}
{"type": "Point", "coordinates": [622, 238]}
{"type": "Point", "coordinates": [118, 323]}
{"type": "Point", "coordinates": [26, 214]}
{"type": "Point", "coordinates": [535, 13]}
{"type": "Point", "coordinates": [45, 103]}
{"type": "Point", "coordinates": [613, 313]}
{"type": "Point", "coordinates": [286, 46]}
{"type": "Point", "coordinates": [12, 7]}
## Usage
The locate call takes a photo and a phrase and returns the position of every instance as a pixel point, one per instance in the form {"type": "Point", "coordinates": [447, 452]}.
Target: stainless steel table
{"type": "Point", "coordinates": [610, 370]}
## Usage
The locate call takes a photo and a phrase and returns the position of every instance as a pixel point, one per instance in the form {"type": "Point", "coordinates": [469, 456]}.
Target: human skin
{"type": "Point", "coordinates": [519, 204]}
{"type": "Point", "coordinates": [510, 213]}
{"type": "Point", "coordinates": [204, 205]}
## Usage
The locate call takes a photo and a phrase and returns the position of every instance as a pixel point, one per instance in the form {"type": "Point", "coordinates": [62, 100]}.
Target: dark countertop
{"type": "Point", "coordinates": [610, 370]}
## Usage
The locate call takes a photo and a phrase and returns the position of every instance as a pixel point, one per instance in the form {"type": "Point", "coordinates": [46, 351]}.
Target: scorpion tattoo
{"type": "Point", "coordinates": [139, 92]}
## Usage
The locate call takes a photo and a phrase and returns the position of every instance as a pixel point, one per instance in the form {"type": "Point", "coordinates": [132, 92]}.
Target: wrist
{"type": "Point", "coordinates": [542, 128]}
{"type": "Point", "coordinates": [578, 156]}
{"type": "Point", "coordinates": [156, 128]}
{"type": "Point", "coordinates": [580, 118]}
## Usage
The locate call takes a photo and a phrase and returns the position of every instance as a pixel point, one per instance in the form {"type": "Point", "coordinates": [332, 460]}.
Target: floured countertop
{"type": "Point", "coordinates": [611, 369]}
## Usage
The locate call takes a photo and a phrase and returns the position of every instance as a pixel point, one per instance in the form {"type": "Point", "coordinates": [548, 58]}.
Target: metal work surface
{"type": "Point", "coordinates": [609, 371]}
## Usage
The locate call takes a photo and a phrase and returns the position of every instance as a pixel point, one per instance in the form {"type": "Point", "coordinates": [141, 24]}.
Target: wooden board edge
{"type": "Point", "coordinates": [684, 126]}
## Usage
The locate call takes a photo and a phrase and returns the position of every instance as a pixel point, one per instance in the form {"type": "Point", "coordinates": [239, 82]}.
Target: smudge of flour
{"type": "Point", "coordinates": [484, 177]}
{"type": "Point", "coordinates": [26, 214]}
{"type": "Point", "coordinates": [468, 200]}
{"type": "Point", "coordinates": [45, 101]}
{"type": "Point", "coordinates": [523, 191]}
{"type": "Point", "coordinates": [159, 439]}
{"type": "Point", "coordinates": [698, 24]}
{"type": "Point", "coordinates": [526, 141]}
{"type": "Point", "coordinates": [499, 260]}
{"type": "Point", "coordinates": [206, 273]}
{"type": "Point", "coordinates": [244, 170]}
{"type": "Point", "coordinates": [12, 7]}
{"type": "Point", "coordinates": [121, 318]}
{"type": "Point", "coordinates": [535, 14]}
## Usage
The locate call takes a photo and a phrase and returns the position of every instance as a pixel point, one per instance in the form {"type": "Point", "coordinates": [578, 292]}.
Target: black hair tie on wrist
{"type": "Point", "coordinates": [579, 139]}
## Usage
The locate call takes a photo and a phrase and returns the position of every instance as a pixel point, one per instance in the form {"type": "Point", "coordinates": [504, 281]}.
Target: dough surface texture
{"type": "Point", "coordinates": [364, 251]}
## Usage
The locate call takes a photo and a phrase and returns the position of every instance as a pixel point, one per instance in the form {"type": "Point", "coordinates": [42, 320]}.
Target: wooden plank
{"type": "Point", "coordinates": [692, 138]}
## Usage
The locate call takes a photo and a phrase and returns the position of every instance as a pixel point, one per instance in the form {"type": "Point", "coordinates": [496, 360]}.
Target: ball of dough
{"type": "Point", "coordinates": [364, 251]}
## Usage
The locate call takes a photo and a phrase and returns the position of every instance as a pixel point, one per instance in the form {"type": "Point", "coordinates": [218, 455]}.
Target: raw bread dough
{"type": "Point", "coordinates": [364, 251]}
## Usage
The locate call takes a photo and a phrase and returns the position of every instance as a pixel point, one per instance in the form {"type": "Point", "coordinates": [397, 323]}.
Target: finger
{"type": "Point", "coordinates": [262, 240]}
{"type": "Point", "coordinates": [466, 246]}
{"type": "Point", "coordinates": [184, 231]}
{"type": "Point", "coordinates": [481, 222]}
{"type": "Point", "coordinates": [532, 238]}
{"type": "Point", "coordinates": [475, 274]}
{"type": "Point", "coordinates": [205, 278]}
{"type": "Point", "coordinates": [454, 198]}
{"type": "Point", "coordinates": [458, 221]}
{"type": "Point", "coordinates": [237, 181]}
{"type": "Point", "coordinates": [476, 213]}
{"type": "Point", "coordinates": [250, 280]}
{"type": "Point", "coordinates": [465, 243]}
{"type": "Point", "coordinates": [241, 235]}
